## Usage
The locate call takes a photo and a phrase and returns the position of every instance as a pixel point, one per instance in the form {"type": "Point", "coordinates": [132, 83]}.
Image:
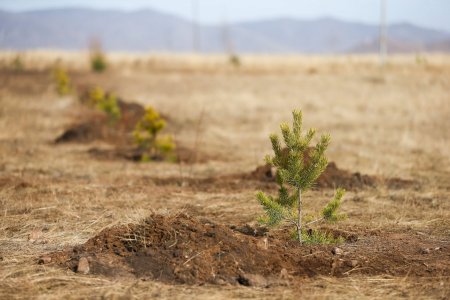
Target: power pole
{"type": "Point", "coordinates": [226, 38]}
{"type": "Point", "coordinates": [195, 27]}
{"type": "Point", "coordinates": [383, 32]}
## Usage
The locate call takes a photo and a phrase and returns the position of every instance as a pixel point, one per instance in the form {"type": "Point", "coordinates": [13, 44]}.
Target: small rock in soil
{"type": "Point", "coordinates": [425, 250]}
{"type": "Point", "coordinates": [83, 266]}
{"type": "Point", "coordinates": [337, 251]}
{"type": "Point", "coordinates": [263, 243]}
{"type": "Point", "coordinates": [284, 275]}
{"type": "Point", "coordinates": [253, 280]}
{"type": "Point", "coordinates": [352, 263]}
{"type": "Point", "coordinates": [45, 260]}
{"type": "Point", "coordinates": [220, 281]}
{"type": "Point", "coordinates": [34, 235]}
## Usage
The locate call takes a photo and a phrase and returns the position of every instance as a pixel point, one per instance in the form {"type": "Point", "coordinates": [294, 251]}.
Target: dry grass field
{"type": "Point", "coordinates": [389, 122]}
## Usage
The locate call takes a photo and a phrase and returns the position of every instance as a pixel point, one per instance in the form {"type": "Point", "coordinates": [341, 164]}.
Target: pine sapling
{"type": "Point", "coordinates": [105, 102]}
{"type": "Point", "coordinates": [62, 80]}
{"type": "Point", "coordinates": [147, 138]}
{"type": "Point", "coordinates": [298, 167]}
{"type": "Point", "coordinates": [98, 62]}
{"type": "Point", "coordinates": [98, 59]}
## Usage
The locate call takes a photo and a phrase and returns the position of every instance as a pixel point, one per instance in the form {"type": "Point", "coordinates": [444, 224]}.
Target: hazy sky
{"type": "Point", "coordinates": [430, 13]}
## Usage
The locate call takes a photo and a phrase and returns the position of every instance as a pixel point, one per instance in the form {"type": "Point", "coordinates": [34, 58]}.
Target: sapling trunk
{"type": "Point", "coordinates": [299, 217]}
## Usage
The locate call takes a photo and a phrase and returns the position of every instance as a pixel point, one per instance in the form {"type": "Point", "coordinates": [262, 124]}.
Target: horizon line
{"type": "Point", "coordinates": [279, 17]}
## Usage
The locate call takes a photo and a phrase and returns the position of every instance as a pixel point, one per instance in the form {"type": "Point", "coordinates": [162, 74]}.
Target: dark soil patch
{"type": "Point", "coordinates": [333, 177]}
{"type": "Point", "coordinates": [98, 128]}
{"type": "Point", "coordinates": [263, 178]}
{"type": "Point", "coordinates": [183, 250]}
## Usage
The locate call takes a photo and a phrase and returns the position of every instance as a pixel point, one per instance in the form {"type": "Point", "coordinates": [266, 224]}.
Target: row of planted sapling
{"type": "Point", "coordinates": [145, 132]}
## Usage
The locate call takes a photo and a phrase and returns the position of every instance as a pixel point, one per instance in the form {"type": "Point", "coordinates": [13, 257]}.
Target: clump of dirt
{"type": "Point", "coordinates": [333, 177]}
{"type": "Point", "coordinates": [182, 250]}
{"type": "Point", "coordinates": [97, 127]}
{"type": "Point", "coordinates": [263, 178]}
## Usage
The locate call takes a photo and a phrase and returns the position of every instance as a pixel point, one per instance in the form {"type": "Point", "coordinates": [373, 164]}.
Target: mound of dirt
{"type": "Point", "coordinates": [95, 129]}
{"type": "Point", "coordinates": [333, 177]}
{"type": "Point", "coordinates": [182, 250]}
{"type": "Point", "coordinates": [98, 127]}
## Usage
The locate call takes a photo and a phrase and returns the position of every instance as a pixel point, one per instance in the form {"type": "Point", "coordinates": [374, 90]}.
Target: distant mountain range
{"type": "Point", "coordinates": [148, 30]}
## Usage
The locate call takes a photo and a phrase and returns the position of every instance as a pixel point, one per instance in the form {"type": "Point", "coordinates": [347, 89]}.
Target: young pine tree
{"type": "Point", "coordinates": [105, 102]}
{"type": "Point", "coordinates": [298, 167]}
{"type": "Point", "coordinates": [147, 135]}
{"type": "Point", "coordinates": [62, 80]}
{"type": "Point", "coordinates": [98, 58]}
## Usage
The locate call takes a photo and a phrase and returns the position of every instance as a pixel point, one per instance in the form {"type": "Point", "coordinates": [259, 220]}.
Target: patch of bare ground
{"type": "Point", "coordinates": [186, 250]}
{"type": "Point", "coordinates": [96, 126]}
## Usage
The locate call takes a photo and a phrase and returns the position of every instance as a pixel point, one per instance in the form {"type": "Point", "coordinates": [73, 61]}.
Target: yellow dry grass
{"type": "Point", "coordinates": [391, 121]}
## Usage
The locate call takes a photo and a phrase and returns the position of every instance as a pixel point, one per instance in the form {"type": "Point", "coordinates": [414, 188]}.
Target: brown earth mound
{"type": "Point", "coordinates": [98, 127]}
{"type": "Point", "coordinates": [333, 177]}
{"type": "Point", "coordinates": [180, 249]}
{"type": "Point", "coordinates": [263, 178]}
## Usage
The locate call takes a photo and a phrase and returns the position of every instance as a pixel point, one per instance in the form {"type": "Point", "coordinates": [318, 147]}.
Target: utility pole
{"type": "Point", "coordinates": [226, 38]}
{"type": "Point", "coordinates": [383, 32]}
{"type": "Point", "coordinates": [195, 27]}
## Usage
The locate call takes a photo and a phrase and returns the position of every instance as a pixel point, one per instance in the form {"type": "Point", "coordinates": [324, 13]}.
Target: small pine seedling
{"type": "Point", "coordinates": [98, 61]}
{"type": "Point", "coordinates": [298, 167]}
{"type": "Point", "coordinates": [17, 63]}
{"type": "Point", "coordinates": [146, 135]}
{"type": "Point", "coordinates": [105, 102]}
{"type": "Point", "coordinates": [62, 80]}
{"type": "Point", "coordinates": [234, 60]}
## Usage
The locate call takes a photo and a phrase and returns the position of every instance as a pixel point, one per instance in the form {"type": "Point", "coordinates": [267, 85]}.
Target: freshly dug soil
{"type": "Point", "coordinates": [183, 250]}
{"type": "Point", "coordinates": [98, 127]}
{"type": "Point", "coordinates": [263, 178]}
{"type": "Point", "coordinates": [333, 177]}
